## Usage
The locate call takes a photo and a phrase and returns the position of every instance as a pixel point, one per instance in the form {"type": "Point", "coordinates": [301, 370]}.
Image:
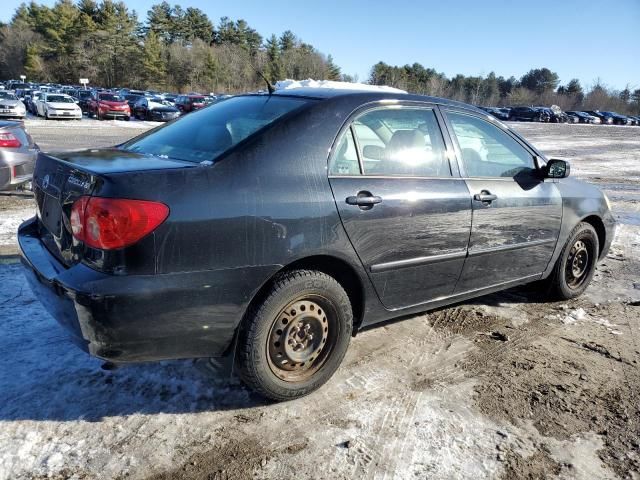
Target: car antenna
{"type": "Point", "coordinates": [270, 86]}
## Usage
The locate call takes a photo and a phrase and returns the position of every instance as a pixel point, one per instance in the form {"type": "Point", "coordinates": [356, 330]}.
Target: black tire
{"type": "Point", "coordinates": [579, 254]}
{"type": "Point", "coordinates": [320, 329]}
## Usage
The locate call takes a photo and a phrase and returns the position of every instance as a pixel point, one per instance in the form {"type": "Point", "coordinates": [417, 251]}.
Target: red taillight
{"type": "Point", "coordinates": [9, 140]}
{"type": "Point", "coordinates": [111, 223]}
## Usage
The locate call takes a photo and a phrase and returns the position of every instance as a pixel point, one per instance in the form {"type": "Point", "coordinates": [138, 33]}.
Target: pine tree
{"type": "Point", "coordinates": [333, 71]}
{"type": "Point", "coordinates": [153, 63]}
{"type": "Point", "coordinates": [33, 67]}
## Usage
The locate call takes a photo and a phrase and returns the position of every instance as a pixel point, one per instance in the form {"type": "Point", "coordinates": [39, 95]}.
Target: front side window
{"type": "Point", "coordinates": [402, 142]}
{"type": "Point", "coordinates": [209, 132]}
{"type": "Point", "coordinates": [486, 150]}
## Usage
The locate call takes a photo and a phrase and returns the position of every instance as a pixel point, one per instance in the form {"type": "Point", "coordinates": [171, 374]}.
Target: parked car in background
{"type": "Point", "coordinates": [17, 85]}
{"type": "Point", "coordinates": [108, 105]}
{"type": "Point", "coordinates": [584, 117]}
{"type": "Point", "coordinates": [617, 119]}
{"type": "Point", "coordinates": [58, 105]}
{"type": "Point", "coordinates": [604, 119]}
{"type": "Point", "coordinates": [17, 155]}
{"type": "Point", "coordinates": [572, 118]}
{"type": "Point", "coordinates": [83, 97]}
{"type": "Point", "coordinates": [531, 114]}
{"type": "Point", "coordinates": [31, 102]}
{"type": "Point", "coordinates": [154, 109]}
{"type": "Point", "coordinates": [499, 113]}
{"type": "Point", "coordinates": [636, 120]}
{"type": "Point", "coordinates": [189, 103]}
{"type": "Point", "coordinates": [256, 228]}
{"type": "Point", "coordinates": [11, 106]}
{"type": "Point", "coordinates": [131, 99]}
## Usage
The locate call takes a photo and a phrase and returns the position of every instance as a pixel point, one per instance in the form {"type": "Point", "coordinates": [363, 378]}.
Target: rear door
{"type": "Point", "coordinates": [405, 210]}
{"type": "Point", "coordinates": [516, 214]}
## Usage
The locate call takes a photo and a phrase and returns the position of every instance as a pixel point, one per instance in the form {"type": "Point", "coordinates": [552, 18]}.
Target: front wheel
{"type": "Point", "coordinates": [294, 341]}
{"type": "Point", "coordinates": [576, 264]}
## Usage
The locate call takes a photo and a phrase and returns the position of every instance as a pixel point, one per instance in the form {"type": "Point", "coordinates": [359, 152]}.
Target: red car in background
{"type": "Point", "coordinates": [189, 103]}
{"type": "Point", "coordinates": [108, 105]}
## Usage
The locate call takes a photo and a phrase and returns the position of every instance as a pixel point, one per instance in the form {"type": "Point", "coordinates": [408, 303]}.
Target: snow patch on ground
{"type": "Point", "coordinates": [289, 84]}
{"type": "Point", "coordinates": [10, 221]}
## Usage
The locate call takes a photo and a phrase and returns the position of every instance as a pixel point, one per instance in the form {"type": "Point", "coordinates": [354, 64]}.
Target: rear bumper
{"type": "Point", "coordinates": [133, 318]}
{"type": "Point", "coordinates": [16, 167]}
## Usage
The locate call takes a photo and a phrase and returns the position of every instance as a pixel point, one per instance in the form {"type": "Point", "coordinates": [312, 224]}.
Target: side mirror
{"type": "Point", "coordinates": [557, 168]}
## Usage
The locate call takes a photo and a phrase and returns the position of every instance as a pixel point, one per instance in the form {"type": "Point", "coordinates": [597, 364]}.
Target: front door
{"type": "Point", "coordinates": [516, 213]}
{"type": "Point", "coordinates": [406, 213]}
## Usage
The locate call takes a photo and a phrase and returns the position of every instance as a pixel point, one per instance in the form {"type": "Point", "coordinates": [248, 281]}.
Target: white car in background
{"type": "Point", "coordinates": [58, 105]}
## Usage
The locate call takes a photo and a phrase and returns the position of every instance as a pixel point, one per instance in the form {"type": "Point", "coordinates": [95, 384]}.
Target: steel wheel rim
{"type": "Point", "coordinates": [578, 264]}
{"type": "Point", "coordinates": [301, 338]}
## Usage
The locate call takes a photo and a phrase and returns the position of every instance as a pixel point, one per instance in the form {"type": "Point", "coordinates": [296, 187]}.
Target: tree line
{"type": "Point", "coordinates": [173, 49]}
{"type": "Point", "coordinates": [539, 86]}
{"type": "Point", "coordinates": [181, 50]}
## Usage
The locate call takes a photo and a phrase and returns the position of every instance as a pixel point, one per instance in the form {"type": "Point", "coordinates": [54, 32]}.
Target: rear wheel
{"type": "Point", "coordinates": [294, 341]}
{"type": "Point", "coordinates": [576, 264]}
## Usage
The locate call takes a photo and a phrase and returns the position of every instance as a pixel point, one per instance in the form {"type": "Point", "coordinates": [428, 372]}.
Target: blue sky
{"type": "Point", "coordinates": [582, 39]}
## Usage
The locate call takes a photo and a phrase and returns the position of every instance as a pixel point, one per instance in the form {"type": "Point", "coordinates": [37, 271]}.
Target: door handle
{"type": "Point", "coordinates": [364, 200]}
{"type": "Point", "coordinates": [485, 196]}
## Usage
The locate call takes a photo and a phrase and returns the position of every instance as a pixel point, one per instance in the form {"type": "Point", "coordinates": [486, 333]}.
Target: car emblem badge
{"type": "Point", "coordinates": [45, 182]}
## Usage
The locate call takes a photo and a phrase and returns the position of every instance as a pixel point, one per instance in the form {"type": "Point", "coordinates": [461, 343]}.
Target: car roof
{"type": "Point", "coordinates": [366, 96]}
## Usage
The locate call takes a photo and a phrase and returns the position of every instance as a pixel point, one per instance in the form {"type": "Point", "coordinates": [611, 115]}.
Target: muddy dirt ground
{"type": "Point", "coordinates": [505, 386]}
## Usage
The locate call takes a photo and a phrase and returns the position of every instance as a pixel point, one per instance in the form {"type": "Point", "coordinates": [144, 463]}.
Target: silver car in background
{"type": "Point", "coordinates": [18, 155]}
{"type": "Point", "coordinates": [11, 106]}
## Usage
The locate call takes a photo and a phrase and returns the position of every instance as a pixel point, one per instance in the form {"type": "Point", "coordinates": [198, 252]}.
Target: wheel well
{"type": "Point", "coordinates": [344, 274]}
{"type": "Point", "coordinates": [598, 225]}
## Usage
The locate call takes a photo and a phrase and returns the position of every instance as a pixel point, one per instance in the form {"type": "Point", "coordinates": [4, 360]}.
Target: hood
{"type": "Point", "coordinates": [115, 160]}
{"type": "Point", "coordinates": [11, 103]}
{"type": "Point", "coordinates": [111, 103]}
{"type": "Point", "coordinates": [62, 105]}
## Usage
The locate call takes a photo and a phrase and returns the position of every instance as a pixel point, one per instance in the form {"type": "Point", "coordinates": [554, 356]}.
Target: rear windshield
{"type": "Point", "coordinates": [209, 132]}
{"type": "Point", "coordinates": [59, 99]}
{"type": "Point", "coordinates": [109, 97]}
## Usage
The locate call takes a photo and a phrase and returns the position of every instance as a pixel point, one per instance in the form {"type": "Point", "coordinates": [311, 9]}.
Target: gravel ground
{"type": "Point", "coordinates": [506, 386]}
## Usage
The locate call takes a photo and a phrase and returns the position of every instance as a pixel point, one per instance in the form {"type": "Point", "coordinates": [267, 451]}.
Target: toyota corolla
{"type": "Point", "coordinates": [273, 227]}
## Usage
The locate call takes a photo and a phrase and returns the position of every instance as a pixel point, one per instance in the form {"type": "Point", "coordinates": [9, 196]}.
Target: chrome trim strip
{"type": "Point", "coordinates": [413, 262]}
{"type": "Point", "coordinates": [508, 248]}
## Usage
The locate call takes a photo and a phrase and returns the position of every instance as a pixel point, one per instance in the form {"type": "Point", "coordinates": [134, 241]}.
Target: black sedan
{"type": "Point", "coordinates": [271, 228]}
{"type": "Point", "coordinates": [499, 113]}
{"type": "Point", "coordinates": [532, 114]}
{"type": "Point", "coordinates": [154, 109]}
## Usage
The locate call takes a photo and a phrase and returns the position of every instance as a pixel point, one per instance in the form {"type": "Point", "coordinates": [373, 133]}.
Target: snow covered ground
{"type": "Point", "coordinates": [433, 396]}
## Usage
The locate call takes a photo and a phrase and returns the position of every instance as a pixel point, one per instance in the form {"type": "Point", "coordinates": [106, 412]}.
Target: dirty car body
{"type": "Point", "coordinates": [311, 186]}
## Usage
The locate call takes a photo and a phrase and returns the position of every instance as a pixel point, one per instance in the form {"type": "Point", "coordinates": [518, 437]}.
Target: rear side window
{"type": "Point", "coordinates": [207, 133]}
{"type": "Point", "coordinates": [401, 141]}
{"type": "Point", "coordinates": [345, 160]}
{"type": "Point", "coordinates": [486, 150]}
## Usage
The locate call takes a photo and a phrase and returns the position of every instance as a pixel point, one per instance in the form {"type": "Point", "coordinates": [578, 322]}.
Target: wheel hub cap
{"type": "Point", "coordinates": [298, 338]}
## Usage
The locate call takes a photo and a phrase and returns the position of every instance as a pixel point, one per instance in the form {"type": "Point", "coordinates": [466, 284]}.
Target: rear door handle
{"type": "Point", "coordinates": [364, 200]}
{"type": "Point", "coordinates": [485, 196]}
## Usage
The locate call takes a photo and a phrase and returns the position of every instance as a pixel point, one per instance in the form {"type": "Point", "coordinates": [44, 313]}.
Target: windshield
{"type": "Point", "coordinates": [8, 96]}
{"type": "Point", "coordinates": [59, 99]}
{"type": "Point", "coordinates": [209, 132]}
{"type": "Point", "coordinates": [109, 97]}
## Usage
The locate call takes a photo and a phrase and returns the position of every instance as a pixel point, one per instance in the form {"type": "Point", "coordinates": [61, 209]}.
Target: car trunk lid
{"type": "Point", "coordinates": [61, 179]}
